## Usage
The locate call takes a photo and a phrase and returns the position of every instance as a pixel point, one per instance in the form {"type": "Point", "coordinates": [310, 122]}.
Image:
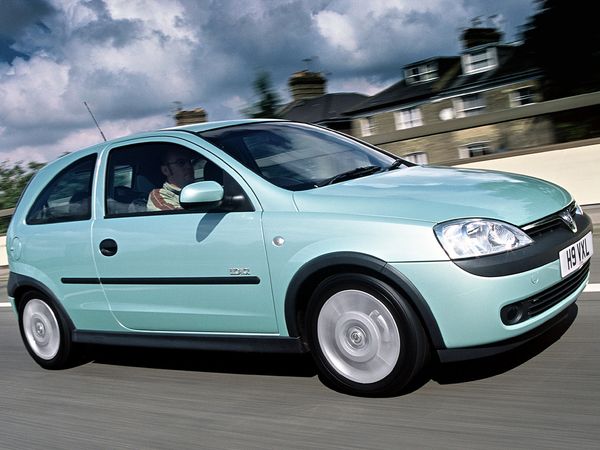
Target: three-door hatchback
{"type": "Point", "coordinates": [276, 236]}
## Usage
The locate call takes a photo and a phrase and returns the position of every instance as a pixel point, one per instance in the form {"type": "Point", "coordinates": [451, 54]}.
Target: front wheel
{"type": "Point", "coordinates": [365, 337]}
{"type": "Point", "coordinates": [45, 332]}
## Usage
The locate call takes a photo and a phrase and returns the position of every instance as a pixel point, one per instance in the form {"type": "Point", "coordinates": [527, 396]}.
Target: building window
{"type": "Point", "coordinates": [417, 157]}
{"type": "Point", "coordinates": [521, 97]}
{"type": "Point", "coordinates": [367, 126]}
{"type": "Point", "coordinates": [469, 105]}
{"type": "Point", "coordinates": [480, 60]}
{"type": "Point", "coordinates": [474, 149]}
{"type": "Point", "coordinates": [408, 118]}
{"type": "Point", "coordinates": [418, 74]}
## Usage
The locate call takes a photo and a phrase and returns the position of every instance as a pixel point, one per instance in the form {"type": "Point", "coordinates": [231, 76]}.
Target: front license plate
{"type": "Point", "coordinates": [575, 256]}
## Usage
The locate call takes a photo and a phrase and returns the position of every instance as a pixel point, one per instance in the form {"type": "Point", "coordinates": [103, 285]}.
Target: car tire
{"type": "Point", "coordinates": [364, 336]}
{"type": "Point", "coordinates": [46, 332]}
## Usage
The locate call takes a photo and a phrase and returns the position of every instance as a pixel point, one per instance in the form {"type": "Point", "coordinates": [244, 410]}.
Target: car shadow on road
{"type": "Point", "coordinates": [297, 365]}
{"type": "Point", "coordinates": [302, 365]}
{"type": "Point", "coordinates": [460, 372]}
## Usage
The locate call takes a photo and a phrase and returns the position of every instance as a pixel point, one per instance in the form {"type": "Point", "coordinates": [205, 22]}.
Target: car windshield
{"type": "Point", "coordinates": [298, 156]}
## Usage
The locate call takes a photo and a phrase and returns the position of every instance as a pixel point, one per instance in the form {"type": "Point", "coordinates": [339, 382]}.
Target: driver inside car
{"type": "Point", "coordinates": [178, 168]}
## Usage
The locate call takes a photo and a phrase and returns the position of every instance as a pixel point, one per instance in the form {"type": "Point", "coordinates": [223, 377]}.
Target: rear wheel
{"type": "Point", "coordinates": [45, 332]}
{"type": "Point", "coordinates": [364, 336]}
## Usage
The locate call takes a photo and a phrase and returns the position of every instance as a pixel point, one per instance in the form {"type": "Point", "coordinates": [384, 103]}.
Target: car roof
{"type": "Point", "coordinates": [66, 159]}
{"type": "Point", "coordinates": [198, 127]}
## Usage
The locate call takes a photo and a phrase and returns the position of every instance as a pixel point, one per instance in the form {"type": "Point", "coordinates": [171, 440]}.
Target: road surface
{"type": "Point", "coordinates": [545, 397]}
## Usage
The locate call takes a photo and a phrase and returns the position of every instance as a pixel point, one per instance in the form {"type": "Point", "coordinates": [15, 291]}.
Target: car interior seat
{"type": "Point", "coordinates": [79, 204]}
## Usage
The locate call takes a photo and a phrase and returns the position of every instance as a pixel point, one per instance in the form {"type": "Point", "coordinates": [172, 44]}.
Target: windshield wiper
{"type": "Point", "coordinates": [354, 173]}
{"type": "Point", "coordinates": [397, 164]}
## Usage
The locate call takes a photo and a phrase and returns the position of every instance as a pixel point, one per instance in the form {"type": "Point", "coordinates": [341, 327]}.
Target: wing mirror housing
{"type": "Point", "coordinates": [201, 193]}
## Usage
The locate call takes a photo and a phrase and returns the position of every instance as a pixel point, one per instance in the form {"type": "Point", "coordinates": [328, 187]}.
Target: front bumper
{"type": "Point", "coordinates": [552, 326]}
{"type": "Point", "coordinates": [467, 307]}
{"type": "Point", "coordinates": [466, 297]}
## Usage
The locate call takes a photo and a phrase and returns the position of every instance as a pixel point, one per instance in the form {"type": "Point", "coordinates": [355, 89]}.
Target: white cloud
{"type": "Point", "coordinates": [359, 85]}
{"type": "Point", "coordinates": [86, 136]}
{"type": "Point", "coordinates": [32, 91]}
{"type": "Point", "coordinates": [131, 59]}
{"type": "Point", "coordinates": [235, 103]}
{"type": "Point", "coordinates": [145, 74]}
{"type": "Point", "coordinates": [76, 13]}
{"type": "Point", "coordinates": [166, 16]}
{"type": "Point", "coordinates": [337, 29]}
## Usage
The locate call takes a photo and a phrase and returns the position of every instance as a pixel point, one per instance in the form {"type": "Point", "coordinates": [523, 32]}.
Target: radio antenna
{"type": "Point", "coordinates": [95, 121]}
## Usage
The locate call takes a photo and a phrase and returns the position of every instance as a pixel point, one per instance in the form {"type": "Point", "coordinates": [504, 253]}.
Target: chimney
{"type": "Point", "coordinates": [473, 37]}
{"type": "Point", "coordinates": [197, 115]}
{"type": "Point", "coordinates": [305, 84]}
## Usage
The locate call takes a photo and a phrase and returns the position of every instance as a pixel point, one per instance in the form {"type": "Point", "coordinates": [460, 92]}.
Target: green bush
{"type": "Point", "coordinates": [13, 179]}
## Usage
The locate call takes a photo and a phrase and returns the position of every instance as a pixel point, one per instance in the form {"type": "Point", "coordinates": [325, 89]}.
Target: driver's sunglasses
{"type": "Point", "coordinates": [182, 162]}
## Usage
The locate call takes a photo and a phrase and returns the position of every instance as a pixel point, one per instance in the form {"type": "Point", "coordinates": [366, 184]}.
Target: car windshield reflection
{"type": "Point", "coordinates": [297, 156]}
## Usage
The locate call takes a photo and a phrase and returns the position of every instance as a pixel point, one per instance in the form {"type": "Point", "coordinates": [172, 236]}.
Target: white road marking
{"type": "Point", "coordinates": [4, 305]}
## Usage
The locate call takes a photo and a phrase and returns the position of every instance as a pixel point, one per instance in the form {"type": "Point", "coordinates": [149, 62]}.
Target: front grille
{"type": "Point", "coordinates": [542, 301]}
{"type": "Point", "coordinates": [549, 223]}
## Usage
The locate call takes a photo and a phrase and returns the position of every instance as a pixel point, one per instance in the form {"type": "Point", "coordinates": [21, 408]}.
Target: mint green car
{"type": "Point", "coordinates": [287, 237]}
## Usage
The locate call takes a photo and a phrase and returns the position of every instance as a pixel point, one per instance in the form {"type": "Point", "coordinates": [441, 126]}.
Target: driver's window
{"type": "Point", "coordinates": [144, 179]}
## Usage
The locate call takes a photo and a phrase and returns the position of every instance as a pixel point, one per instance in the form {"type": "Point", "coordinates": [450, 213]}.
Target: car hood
{"type": "Point", "coordinates": [437, 194]}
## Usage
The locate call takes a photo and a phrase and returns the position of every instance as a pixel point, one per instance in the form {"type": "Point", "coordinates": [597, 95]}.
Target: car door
{"type": "Point", "coordinates": [202, 270]}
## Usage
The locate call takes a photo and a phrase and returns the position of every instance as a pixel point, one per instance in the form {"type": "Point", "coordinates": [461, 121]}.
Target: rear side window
{"type": "Point", "coordinates": [67, 197]}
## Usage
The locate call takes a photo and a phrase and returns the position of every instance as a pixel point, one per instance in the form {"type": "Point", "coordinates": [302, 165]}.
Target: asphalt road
{"type": "Point", "coordinates": [547, 396]}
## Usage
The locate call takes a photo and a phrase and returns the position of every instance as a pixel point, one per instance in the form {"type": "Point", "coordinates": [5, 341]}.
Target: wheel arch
{"type": "Point", "coordinates": [18, 285]}
{"type": "Point", "coordinates": [313, 272]}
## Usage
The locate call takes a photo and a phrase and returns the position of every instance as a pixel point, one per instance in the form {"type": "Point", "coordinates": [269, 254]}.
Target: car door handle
{"type": "Point", "coordinates": [108, 247]}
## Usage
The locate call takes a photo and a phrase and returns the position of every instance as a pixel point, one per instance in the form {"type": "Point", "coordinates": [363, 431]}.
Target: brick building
{"type": "Point", "coordinates": [487, 77]}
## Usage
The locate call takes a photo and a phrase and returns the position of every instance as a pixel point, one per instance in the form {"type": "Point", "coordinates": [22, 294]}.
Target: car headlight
{"type": "Point", "coordinates": [467, 238]}
{"type": "Point", "coordinates": [578, 209]}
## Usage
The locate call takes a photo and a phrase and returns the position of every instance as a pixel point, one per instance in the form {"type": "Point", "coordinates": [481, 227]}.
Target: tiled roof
{"type": "Point", "coordinates": [403, 92]}
{"type": "Point", "coordinates": [513, 64]}
{"type": "Point", "coordinates": [324, 108]}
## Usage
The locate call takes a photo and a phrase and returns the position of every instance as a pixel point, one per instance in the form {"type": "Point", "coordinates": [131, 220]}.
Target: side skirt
{"type": "Point", "coordinates": [256, 344]}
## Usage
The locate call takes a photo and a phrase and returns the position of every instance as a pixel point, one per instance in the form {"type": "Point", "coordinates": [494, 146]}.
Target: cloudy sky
{"type": "Point", "coordinates": [131, 60]}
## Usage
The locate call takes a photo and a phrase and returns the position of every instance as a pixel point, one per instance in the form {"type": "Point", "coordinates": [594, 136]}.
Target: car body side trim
{"type": "Point", "coordinates": [258, 344]}
{"type": "Point", "coordinates": [164, 281]}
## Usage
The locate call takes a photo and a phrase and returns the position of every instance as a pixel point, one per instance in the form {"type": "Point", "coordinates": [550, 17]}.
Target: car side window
{"type": "Point", "coordinates": [146, 179]}
{"type": "Point", "coordinates": [67, 197]}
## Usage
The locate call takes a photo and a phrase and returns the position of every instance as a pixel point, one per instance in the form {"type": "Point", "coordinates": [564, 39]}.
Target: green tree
{"type": "Point", "coordinates": [13, 179]}
{"type": "Point", "coordinates": [268, 102]}
{"type": "Point", "coordinates": [563, 38]}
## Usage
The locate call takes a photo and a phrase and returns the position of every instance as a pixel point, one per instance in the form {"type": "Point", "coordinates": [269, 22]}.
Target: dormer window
{"type": "Point", "coordinates": [421, 73]}
{"type": "Point", "coordinates": [480, 60]}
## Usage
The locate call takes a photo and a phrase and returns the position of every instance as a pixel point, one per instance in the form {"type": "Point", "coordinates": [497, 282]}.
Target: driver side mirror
{"type": "Point", "coordinates": [205, 193]}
